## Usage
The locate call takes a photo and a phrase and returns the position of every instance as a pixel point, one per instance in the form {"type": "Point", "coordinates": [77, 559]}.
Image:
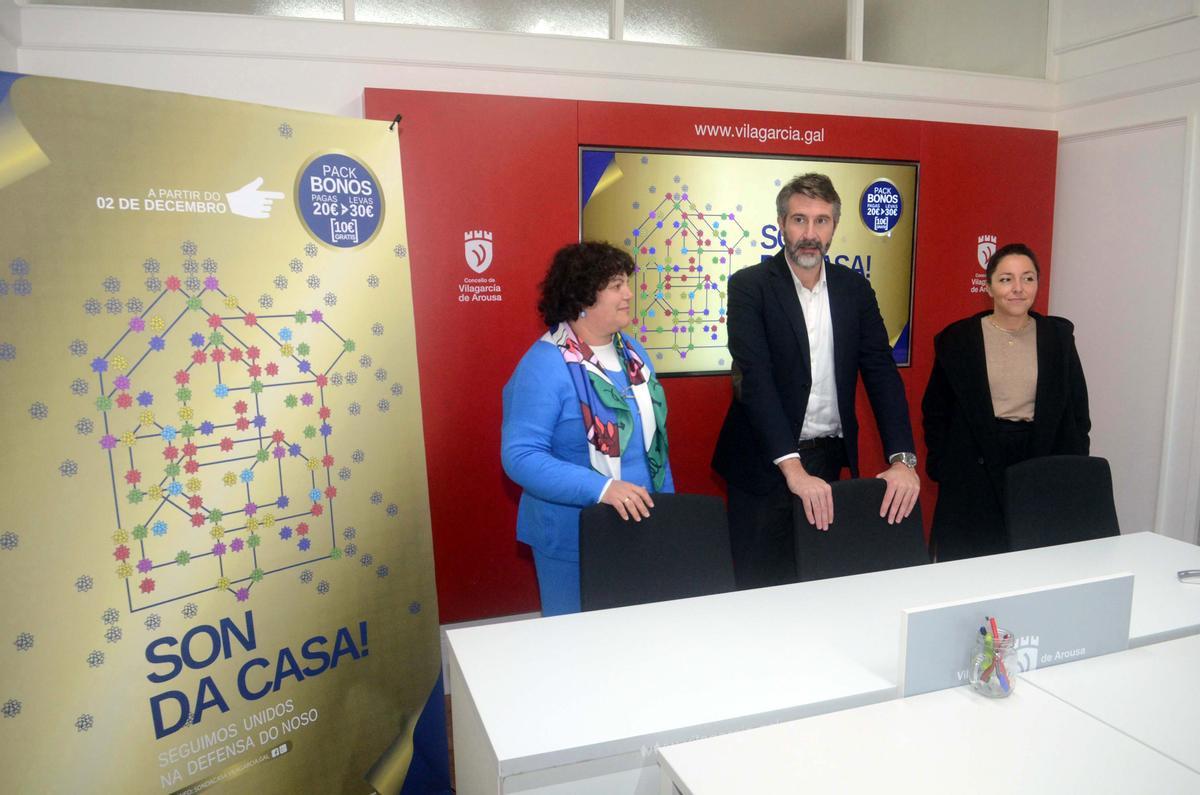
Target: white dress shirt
{"type": "Point", "coordinates": [821, 416]}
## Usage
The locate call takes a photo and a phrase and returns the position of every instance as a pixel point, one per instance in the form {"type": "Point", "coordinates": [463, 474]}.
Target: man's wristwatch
{"type": "Point", "coordinates": [908, 459]}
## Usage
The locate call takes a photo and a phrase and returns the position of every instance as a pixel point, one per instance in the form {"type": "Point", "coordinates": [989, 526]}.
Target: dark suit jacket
{"type": "Point", "coordinates": [768, 339]}
{"type": "Point", "coordinates": [960, 428]}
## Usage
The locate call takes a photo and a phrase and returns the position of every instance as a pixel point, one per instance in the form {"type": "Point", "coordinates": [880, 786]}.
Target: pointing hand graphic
{"type": "Point", "coordinates": [250, 202]}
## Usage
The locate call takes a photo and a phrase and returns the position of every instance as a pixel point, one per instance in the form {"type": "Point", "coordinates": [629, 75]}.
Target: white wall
{"type": "Point", "coordinates": [1127, 243]}
{"type": "Point", "coordinates": [323, 66]}
{"type": "Point", "coordinates": [9, 36]}
{"type": "Point", "coordinates": [1112, 66]}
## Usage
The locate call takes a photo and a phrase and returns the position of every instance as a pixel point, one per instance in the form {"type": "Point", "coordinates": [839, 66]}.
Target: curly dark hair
{"type": "Point", "coordinates": [578, 273]}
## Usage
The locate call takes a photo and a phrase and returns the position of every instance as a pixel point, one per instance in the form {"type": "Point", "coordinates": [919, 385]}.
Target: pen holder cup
{"type": "Point", "coordinates": [994, 667]}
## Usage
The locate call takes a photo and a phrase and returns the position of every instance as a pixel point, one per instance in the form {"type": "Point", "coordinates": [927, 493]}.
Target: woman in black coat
{"type": "Point", "coordinates": [1006, 386]}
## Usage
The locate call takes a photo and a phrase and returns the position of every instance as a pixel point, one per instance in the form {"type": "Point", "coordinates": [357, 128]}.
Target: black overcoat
{"type": "Point", "coordinates": [961, 437]}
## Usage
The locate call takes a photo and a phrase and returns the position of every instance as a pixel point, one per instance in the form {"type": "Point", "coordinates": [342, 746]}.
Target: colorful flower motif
{"type": "Point", "coordinates": [128, 439]}
{"type": "Point", "coordinates": [303, 544]}
{"type": "Point", "coordinates": [121, 382]}
{"type": "Point", "coordinates": [214, 321]}
{"type": "Point", "coordinates": [217, 532]}
{"type": "Point", "coordinates": [211, 283]}
{"type": "Point", "coordinates": [121, 552]}
{"type": "Point", "coordinates": [125, 571]}
{"type": "Point", "coordinates": [175, 488]}
{"type": "Point", "coordinates": [104, 403]}
{"type": "Point", "coordinates": [272, 368]}
{"type": "Point", "coordinates": [250, 319]}
{"type": "Point", "coordinates": [159, 528]}
{"type": "Point", "coordinates": [306, 399]}
{"type": "Point", "coordinates": [139, 532]}
{"type": "Point", "coordinates": [237, 544]}
{"type": "Point", "coordinates": [108, 441]}
{"type": "Point", "coordinates": [219, 548]}
{"type": "Point", "coordinates": [156, 324]}
{"type": "Point", "coordinates": [221, 390]}
{"type": "Point", "coordinates": [137, 325]}
{"type": "Point", "coordinates": [147, 585]}
{"type": "Point", "coordinates": [146, 417]}
{"type": "Point", "coordinates": [124, 400]}
{"type": "Point", "coordinates": [186, 413]}
{"type": "Point", "coordinates": [144, 398]}
{"type": "Point", "coordinates": [242, 594]}
{"type": "Point", "coordinates": [172, 283]}
{"type": "Point", "coordinates": [250, 509]}
{"type": "Point", "coordinates": [322, 381]}
{"type": "Point", "coordinates": [157, 343]}
{"type": "Point", "coordinates": [144, 566]}
{"type": "Point", "coordinates": [133, 477]}
{"type": "Point", "coordinates": [183, 557]}
{"type": "Point", "coordinates": [223, 583]}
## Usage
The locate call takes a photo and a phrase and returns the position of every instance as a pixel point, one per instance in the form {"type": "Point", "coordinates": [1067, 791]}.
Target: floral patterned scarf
{"type": "Point", "coordinates": [607, 418]}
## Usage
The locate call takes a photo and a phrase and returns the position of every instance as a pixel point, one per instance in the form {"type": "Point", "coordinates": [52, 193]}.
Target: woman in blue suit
{"type": "Point", "coordinates": [584, 416]}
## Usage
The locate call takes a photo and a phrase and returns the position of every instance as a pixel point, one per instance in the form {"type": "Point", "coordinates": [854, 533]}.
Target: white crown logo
{"type": "Point", "coordinates": [477, 249]}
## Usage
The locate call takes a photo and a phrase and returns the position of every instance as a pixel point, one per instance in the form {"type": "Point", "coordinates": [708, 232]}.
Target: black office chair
{"type": "Point", "coordinates": [1058, 499]}
{"type": "Point", "coordinates": [859, 540]}
{"type": "Point", "coordinates": [682, 550]}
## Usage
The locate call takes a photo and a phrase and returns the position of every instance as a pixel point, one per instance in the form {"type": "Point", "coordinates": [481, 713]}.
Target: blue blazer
{"type": "Point", "coordinates": [544, 450]}
{"type": "Point", "coordinates": [772, 372]}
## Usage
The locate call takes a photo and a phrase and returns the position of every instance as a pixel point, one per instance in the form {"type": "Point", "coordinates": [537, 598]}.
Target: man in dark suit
{"type": "Point", "coordinates": [801, 332]}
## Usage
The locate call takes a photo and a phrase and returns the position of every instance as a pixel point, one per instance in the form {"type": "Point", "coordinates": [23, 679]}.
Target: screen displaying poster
{"type": "Point", "coordinates": [214, 535]}
{"type": "Point", "coordinates": [692, 220]}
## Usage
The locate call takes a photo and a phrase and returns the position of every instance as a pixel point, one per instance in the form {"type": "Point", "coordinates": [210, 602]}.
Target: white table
{"type": "Point", "coordinates": [952, 741]}
{"type": "Point", "coordinates": [1151, 694]}
{"type": "Point", "coordinates": [574, 705]}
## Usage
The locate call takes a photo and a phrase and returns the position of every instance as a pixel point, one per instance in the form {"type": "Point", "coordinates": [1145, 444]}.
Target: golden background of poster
{"type": "Point", "coordinates": [728, 200]}
{"type": "Point", "coordinates": [77, 273]}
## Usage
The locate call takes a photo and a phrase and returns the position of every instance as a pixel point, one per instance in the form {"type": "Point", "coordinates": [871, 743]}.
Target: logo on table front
{"type": "Point", "coordinates": [477, 249]}
{"type": "Point", "coordinates": [1026, 649]}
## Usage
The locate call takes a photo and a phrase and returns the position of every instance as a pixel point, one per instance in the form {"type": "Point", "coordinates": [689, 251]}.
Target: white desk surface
{"type": "Point", "coordinates": [567, 688]}
{"type": "Point", "coordinates": [615, 681]}
{"type": "Point", "coordinates": [1150, 694]}
{"type": "Point", "coordinates": [950, 741]}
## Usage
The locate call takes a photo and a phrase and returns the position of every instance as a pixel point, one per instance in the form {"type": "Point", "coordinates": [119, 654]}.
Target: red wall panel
{"type": "Point", "coordinates": [509, 165]}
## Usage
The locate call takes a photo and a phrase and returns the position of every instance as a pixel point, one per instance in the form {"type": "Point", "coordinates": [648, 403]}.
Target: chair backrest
{"type": "Point", "coordinates": [859, 540]}
{"type": "Point", "coordinates": [1058, 499]}
{"type": "Point", "coordinates": [682, 550]}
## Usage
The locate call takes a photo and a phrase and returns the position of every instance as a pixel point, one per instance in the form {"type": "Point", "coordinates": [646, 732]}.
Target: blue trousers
{"type": "Point", "coordinates": [558, 581]}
